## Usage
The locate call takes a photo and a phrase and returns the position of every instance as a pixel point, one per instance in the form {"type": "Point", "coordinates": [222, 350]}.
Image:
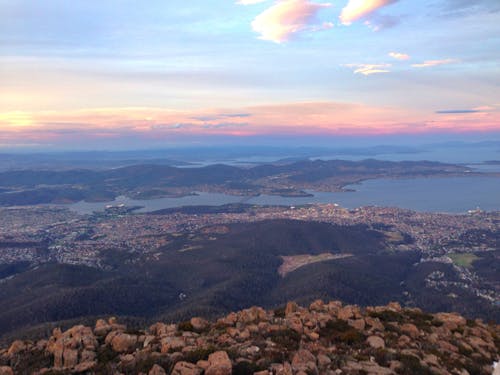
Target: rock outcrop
{"type": "Point", "coordinates": [325, 338]}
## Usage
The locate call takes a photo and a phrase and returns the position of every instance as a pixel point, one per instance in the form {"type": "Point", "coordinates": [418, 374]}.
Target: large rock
{"type": "Point", "coordinates": [158, 370]}
{"type": "Point", "coordinates": [252, 315]}
{"type": "Point", "coordinates": [346, 313]}
{"type": "Point", "coordinates": [451, 320]}
{"type": "Point", "coordinates": [376, 342]}
{"type": "Point", "coordinates": [291, 307]}
{"type": "Point", "coordinates": [220, 364]}
{"type": "Point", "coordinates": [170, 344]}
{"type": "Point", "coordinates": [75, 346]}
{"type": "Point", "coordinates": [5, 370]}
{"type": "Point", "coordinates": [305, 361]}
{"type": "Point", "coordinates": [186, 368]}
{"type": "Point", "coordinates": [374, 323]}
{"type": "Point", "coordinates": [410, 330]}
{"type": "Point", "coordinates": [102, 328]}
{"type": "Point", "coordinates": [123, 342]}
{"type": "Point", "coordinates": [16, 347]}
{"type": "Point", "coordinates": [358, 324]}
{"type": "Point", "coordinates": [199, 324]}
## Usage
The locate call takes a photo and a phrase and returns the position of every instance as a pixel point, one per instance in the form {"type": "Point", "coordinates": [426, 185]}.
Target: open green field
{"type": "Point", "coordinates": [463, 260]}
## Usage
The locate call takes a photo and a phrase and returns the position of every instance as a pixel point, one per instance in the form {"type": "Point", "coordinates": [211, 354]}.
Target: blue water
{"type": "Point", "coordinates": [450, 194]}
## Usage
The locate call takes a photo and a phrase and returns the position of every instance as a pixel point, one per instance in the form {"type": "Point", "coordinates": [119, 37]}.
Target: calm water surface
{"type": "Point", "coordinates": [451, 194]}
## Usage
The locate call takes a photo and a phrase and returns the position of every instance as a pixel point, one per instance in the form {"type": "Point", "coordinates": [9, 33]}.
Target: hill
{"type": "Point", "coordinates": [325, 338]}
{"type": "Point", "coordinates": [230, 267]}
{"type": "Point", "coordinates": [145, 181]}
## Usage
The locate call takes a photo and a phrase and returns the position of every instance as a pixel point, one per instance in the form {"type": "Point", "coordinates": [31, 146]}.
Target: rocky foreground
{"type": "Point", "coordinates": [326, 338]}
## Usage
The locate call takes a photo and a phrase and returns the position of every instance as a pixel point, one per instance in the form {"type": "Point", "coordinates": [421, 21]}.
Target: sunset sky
{"type": "Point", "coordinates": [119, 73]}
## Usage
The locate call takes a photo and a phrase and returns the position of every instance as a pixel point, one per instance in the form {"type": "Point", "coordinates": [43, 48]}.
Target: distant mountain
{"type": "Point", "coordinates": [28, 187]}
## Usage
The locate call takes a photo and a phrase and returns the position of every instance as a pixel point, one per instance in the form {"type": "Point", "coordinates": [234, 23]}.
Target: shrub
{"type": "Point", "coordinates": [411, 365]}
{"type": "Point", "coordinates": [279, 312]}
{"type": "Point", "coordinates": [388, 316]}
{"type": "Point", "coordinates": [185, 326]}
{"type": "Point", "coordinates": [199, 354]}
{"type": "Point", "coordinates": [246, 368]}
{"type": "Point", "coordinates": [286, 338]}
{"type": "Point", "coordinates": [341, 332]}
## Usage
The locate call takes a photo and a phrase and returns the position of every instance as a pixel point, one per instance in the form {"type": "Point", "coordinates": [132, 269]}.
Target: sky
{"type": "Point", "coordinates": [85, 74]}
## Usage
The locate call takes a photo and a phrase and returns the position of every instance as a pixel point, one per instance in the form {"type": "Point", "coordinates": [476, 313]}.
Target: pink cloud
{"type": "Point", "coordinates": [430, 63]}
{"type": "Point", "coordinates": [288, 17]}
{"type": "Point", "coordinates": [399, 56]}
{"type": "Point", "coordinates": [358, 9]}
{"type": "Point", "coordinates": [298, 118]}
{"type": "Point", "coordinates": [369, 69]}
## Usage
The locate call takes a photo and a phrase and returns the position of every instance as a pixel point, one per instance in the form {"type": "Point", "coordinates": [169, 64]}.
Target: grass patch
{"type": "Point", "coordinates": [463, 260]}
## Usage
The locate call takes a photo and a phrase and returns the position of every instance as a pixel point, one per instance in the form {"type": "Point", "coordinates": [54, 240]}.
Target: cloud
{"type": "Point", "coordinates": [135, 126]}
{"type": "Point", "coordinates": [429, 63]}
{"type": "Point", "coordinates": [457, 111]}
{"type": "Point", "coordinates": [399, 55]}
{"type": "Point", "coordinates": [288, 17]}
{"type": "Point", "coordinates": [224, 125]}
{"type": "Point", "coordinates": [358, 9]}
{"type": "Point", "coordinates": [232, 115]}
{"type": "Point", "coordinates": [214, 117]}
{"type": "Point", "coordinates": [368, 69]}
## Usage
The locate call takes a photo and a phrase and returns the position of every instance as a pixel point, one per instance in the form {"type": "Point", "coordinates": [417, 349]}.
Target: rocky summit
{"type": "Point", "coordinates": [325, 338]}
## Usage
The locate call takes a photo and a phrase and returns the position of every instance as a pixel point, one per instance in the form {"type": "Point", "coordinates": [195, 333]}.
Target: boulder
{"type": "Point", "coordinates": [158, 370]}
{"type": "Point", "coordinates": [102, 328]}
{"type": "Point", "coordinates": [6, 370]}
{"type": "Point", "coordinates": [186, 368]}
{"type": "Point", "coordinates": [451, 320]}
{"type": "Point", "coordinates": [199, 324]}
{"type": "Point", "coordinates": [376, 342]}
{"type": "Point", "coordinates": [84, 366]}
{"type": "Point", "coordinates": [304, 360]}
{"type": "Point", "coordinates": [375, 323]}
{"type": "Point", "coordinates": [358, 324]}
{"type": "Point", "coordinates": [75, 346]}
{"type": "Point", "coordinates": [346, 313]}
{"type": "Point", "coordinates": [169, 344]}
{"type": "Point", "coordinates": [16, 347]}
{"type": "Point", "coordinates": [317, 305]}
{"type": "Point", "coordinates": [291, 307]}
{"type": "Point", "coordinates": [220, 364]}
{"type": "Point", "coordinates": [410, 330]}
{"type": "Point", "coordinates": [123, 342]}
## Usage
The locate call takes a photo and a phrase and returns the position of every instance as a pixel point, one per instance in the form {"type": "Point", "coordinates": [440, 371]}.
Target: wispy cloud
{"type": "Point", "coordinates": [135, 126]}
{"type": "Point", "coordinates": [218, 116]}
{"type": "Point", "coordinates": [429, 63]}
{"type": "Point", "coordinates": [369, 69]}
{"type": "Point", "coordinates": [358, 9]}
{"type": "Point", "coordinates": [457, 111]}
{"type": "Point", "coordinates": [399, 56]}
{"type": "Point", "coordinates": [288, 17]}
